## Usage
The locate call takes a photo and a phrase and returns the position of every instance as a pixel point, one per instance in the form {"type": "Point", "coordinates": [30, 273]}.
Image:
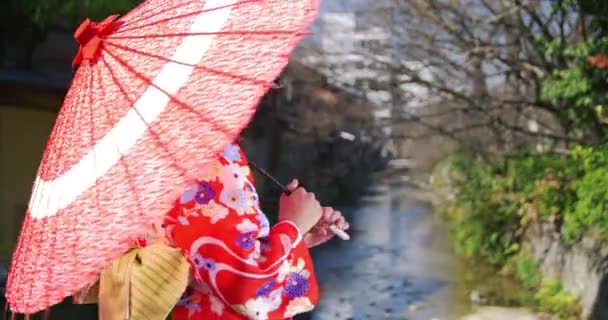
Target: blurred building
{"type": "Point", "coordinates": [362, 46]}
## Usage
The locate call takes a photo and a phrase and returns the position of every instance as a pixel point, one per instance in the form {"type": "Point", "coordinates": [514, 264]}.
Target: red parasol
{"type": "Point", "coordinates": [158, 92]}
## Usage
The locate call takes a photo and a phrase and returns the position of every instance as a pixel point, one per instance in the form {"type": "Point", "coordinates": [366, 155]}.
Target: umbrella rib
{"type": "Point", "coordinates": [84, 95]}
{"type": "Point", "coordinates": [92, 123]}
{"type": "Point", "coordinates": [296, 33]}
{"type": "Point", "coordinates": [180, 16]}
{"type": "Point", "coordinates": [170, 96]}
{"type": "Point", "coordinates": [152, 133]}
{"type": "Point", "coordinates": [110, 116]}
{"type": "Point", "coordinates": [210, 70]}
{"type": "Point", "coordinates": [85, 101]}
{"type": "Point", "coordinates": [101, 87]}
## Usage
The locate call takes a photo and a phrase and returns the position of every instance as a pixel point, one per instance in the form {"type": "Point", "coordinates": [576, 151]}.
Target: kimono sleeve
{"type": "Point", "coordinates": [270, 277]}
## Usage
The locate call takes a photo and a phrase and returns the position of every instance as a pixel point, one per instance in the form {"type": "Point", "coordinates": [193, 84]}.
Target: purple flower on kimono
{"type": "Point", "coordinates": [296, 285]}
{"type": "Point", "coordinates": [266, 288]}
{"type": "Point", "coordinates": [204, 194]}
{"type": "Point", "coordinates": [188, 195]}
{"type": "Point", "coordinates": [202, 263]}
{"type": "Point", "coordinates": [186, 302]}
{"type": "Point", "coordinates": [246, 241]}
{"type": "Point", "coordinates": [231, 153]}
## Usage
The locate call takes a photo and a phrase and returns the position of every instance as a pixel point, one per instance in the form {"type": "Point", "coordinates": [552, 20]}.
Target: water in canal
{"type": "Point", "coordinates": [398, 265]}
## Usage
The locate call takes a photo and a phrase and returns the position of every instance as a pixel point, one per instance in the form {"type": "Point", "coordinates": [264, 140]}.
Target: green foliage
{"type": "Point", "coordinates": [590, 209]}
{"type": "Point", "coordinates": [548, 295]}
{"type": "Point", "coordinates": [492, 201]}
{"type": "Point", "coordinates": [580, 89]}
{"type": "Point", "coordinates": [26, 24]}
{"type": "Point", "coordinates": [482, 217]}
{"type": "Point", "coordinates": [42, 13]}
{"type": "Point", "coordinates": [552, 298]}
{"type": "Point", "coordinates": [576, 87]}
{"type": "Point", "coordinates": [526, 271]}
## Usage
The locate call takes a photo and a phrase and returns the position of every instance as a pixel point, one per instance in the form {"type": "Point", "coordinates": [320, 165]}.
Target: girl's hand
{"type": "Point", "coordinates": [320, 233]}
{"type": "Point", "coordinates": [300, 207]}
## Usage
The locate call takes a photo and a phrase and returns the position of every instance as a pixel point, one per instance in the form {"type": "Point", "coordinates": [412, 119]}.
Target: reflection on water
{"type": "Point", "coordinates": [398, 266]}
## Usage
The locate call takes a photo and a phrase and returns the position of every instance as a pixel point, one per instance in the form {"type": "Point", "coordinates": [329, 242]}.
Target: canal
{"type": "Point", "coordinates": [398, 265]}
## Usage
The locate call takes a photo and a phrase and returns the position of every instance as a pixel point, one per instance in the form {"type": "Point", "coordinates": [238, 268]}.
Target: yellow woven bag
{"type": "Point", "coordinates": [145, 283]}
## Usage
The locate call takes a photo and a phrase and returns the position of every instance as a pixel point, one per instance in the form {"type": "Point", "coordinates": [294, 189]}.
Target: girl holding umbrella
{"type": "Point", "coordinates": [158, 93]}
{"type": "Point", "coordinates": [241, 267]}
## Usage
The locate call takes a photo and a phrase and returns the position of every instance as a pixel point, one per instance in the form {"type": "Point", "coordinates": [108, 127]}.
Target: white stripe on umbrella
{"type": "Point", "coordinates": [52, 196]}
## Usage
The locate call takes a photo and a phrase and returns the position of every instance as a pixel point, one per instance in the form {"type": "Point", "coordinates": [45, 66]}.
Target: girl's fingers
{"type": "Point", "coordinates": [341, 223]}
{"type": "Point", "coordinates": [336, 217]}
{"type": "Point", "coordinates": [327, 213]}
{"type": "Point", "coordinates": [338, 223]}
{"type": "Point", "coordinates": [345, 225]}
{"type": "Point", "coordinates": [293, 185]}
{"type": "Point", "coordinates": [323, 233]}
{"type": "Point", "coordinates": [339, 232]}
{"type": "Point", "coordinates": [331, 217]}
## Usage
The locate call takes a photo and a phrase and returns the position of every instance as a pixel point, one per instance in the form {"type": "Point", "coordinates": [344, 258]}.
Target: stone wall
{"type": "Point", "coordinates": [581, 267]}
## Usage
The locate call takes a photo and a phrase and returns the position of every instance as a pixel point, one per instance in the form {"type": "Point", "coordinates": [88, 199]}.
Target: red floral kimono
{"type": "Point", "coordinates": [242, 268]}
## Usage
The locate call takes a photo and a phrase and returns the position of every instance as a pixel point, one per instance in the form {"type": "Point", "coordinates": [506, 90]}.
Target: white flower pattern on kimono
{"type": "Point", "coordinates": [259, 308]}
{"type": "Point", "coordinates": [247, 226]}
{"type": "Point", "coordinates": [190, 212]}
{"type": "Point", "coordinates": [211, 171]}
{"type": "Point", "coordinates": [256, 253]}
{"type": "Point", "coordinates": [185, 214]}
{"type": "Point", "coordinates": [284, 271]}
{"type": "Point", "coordinates": [232, 175]}
{"type": "Point", "coordinates": [214, 211]}
{"type": "Point", "coordinates": [217, 306]}
{"type": "Point", "coordinates": [287, 268]}
{"type": "Point", "coordinates": [245, 171]}
{"type": "Point", "coordinates": [297, 306]}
